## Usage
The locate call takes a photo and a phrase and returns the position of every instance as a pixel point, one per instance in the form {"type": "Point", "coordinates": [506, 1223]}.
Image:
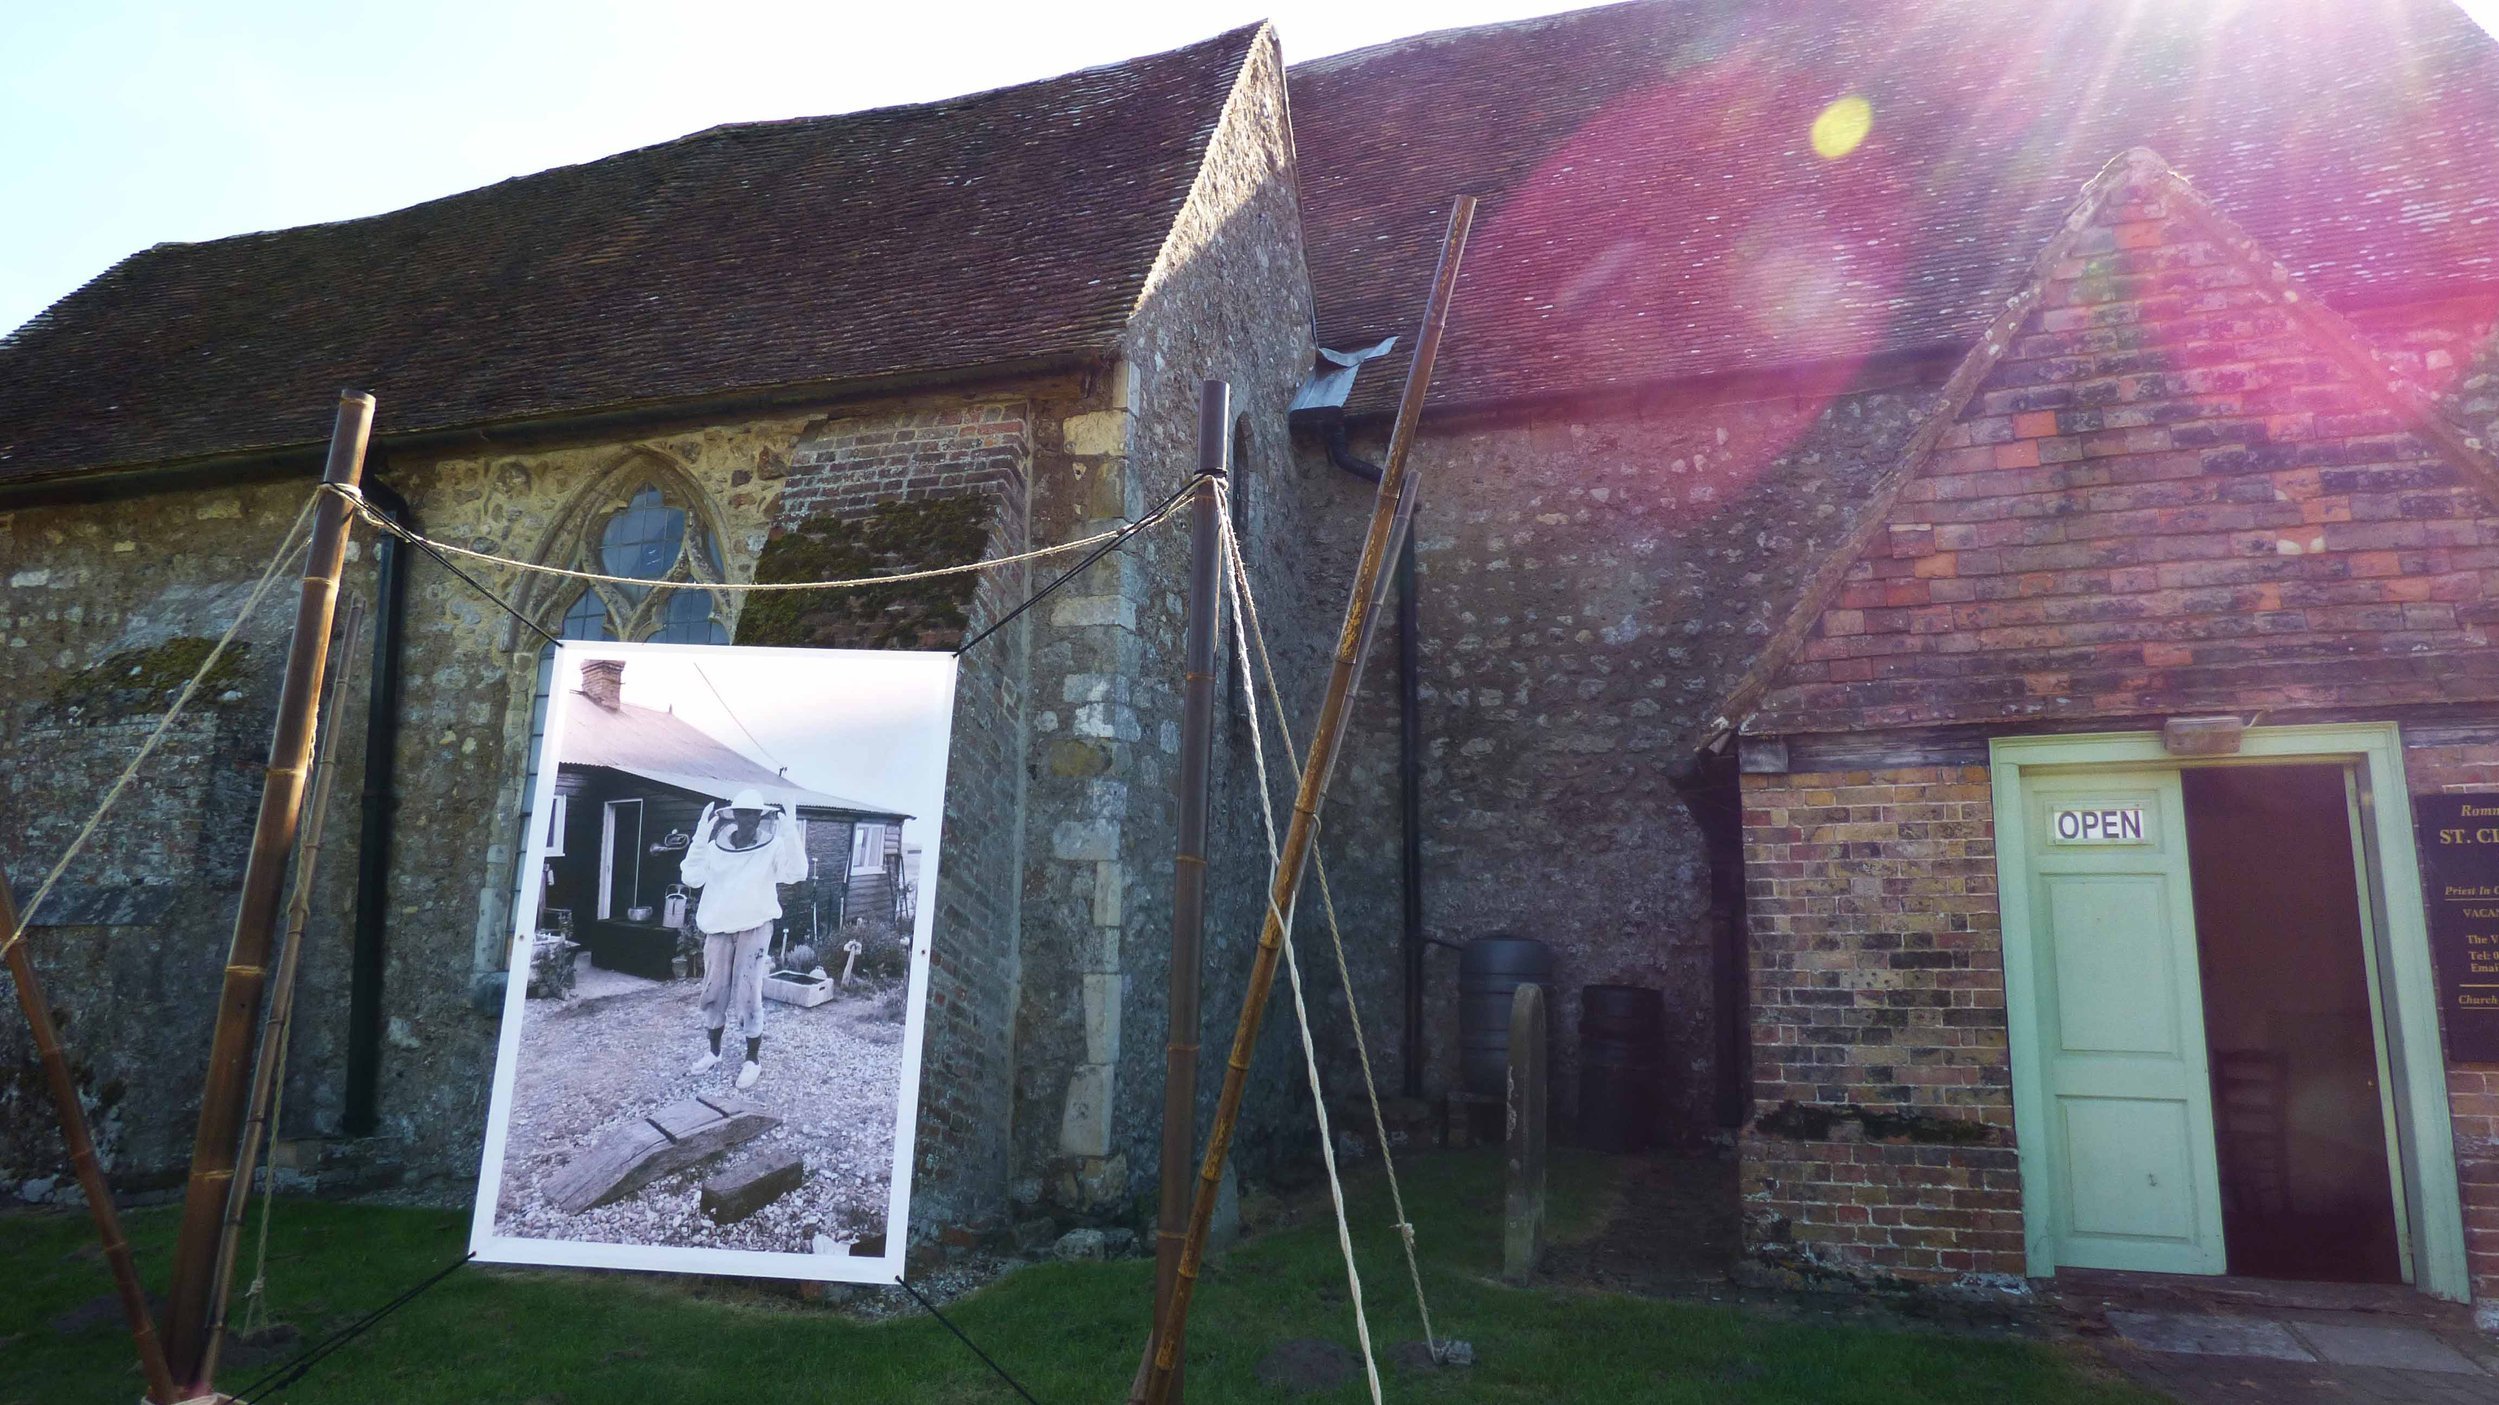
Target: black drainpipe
{"type": "Point", "coordinates": [1409, 758]}
{"type": "Point", "coordinates": [373, 837]}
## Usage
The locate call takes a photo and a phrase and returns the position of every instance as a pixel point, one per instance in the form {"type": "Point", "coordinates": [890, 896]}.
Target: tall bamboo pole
{"type": "Point", "coordinates": [271, 1069]}
{"type": "Point", "coordinates": [256, 917]}
{"type": "Point", "coordinates": [1188, 891]}
{"type": "Point", "coordinates": [82, 1158]}
{"type": "Point", "coordinates": [1388, 514]}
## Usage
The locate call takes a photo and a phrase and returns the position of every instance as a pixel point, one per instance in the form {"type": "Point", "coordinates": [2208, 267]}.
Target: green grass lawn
{"type": "Point", "coordinates": [1071, 1332]}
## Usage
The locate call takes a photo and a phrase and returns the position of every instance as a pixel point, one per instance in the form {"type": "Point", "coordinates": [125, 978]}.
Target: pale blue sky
{"type": "Point", "coordinates": [124, 124]}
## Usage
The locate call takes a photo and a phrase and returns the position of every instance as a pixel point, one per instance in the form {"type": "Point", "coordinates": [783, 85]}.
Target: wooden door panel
{"type": "Point", "coordinates": [2121, 1025]}
{"type": "Point", "coordinates": [2128, 1157]}
{"type": "Point", "coordinates": [2116, 984]}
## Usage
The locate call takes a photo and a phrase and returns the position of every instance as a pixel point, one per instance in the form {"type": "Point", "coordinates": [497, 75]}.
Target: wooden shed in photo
{"type": "Point", "coordinates": [631, 786]}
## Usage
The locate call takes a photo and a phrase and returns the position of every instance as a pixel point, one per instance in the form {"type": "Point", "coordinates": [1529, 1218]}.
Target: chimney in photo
{"type": "Point", "coordinates": [603, 682]}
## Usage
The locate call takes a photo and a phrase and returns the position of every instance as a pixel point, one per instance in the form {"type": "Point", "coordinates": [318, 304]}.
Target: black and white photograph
{"type": "Point", "coordinates": [711, 1040]}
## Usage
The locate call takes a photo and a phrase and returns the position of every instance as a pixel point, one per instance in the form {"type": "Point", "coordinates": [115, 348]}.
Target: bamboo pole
{"type": "Point", "coordinates": [1188, 900]}
{"type": "Point", "coordinates": [272, 1065]}
{"type": "Point", "coordinates": [1389, 510]}
{"type": "Point", "coordinates": [82, 1158]}
{"type": "Point", "coordinates": [256, 916]}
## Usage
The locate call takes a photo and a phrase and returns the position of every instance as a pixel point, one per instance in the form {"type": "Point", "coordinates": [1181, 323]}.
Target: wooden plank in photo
{"type": "Point", "coordinates": [752, 1184]}
{"type": "Point", "coordinates": [681, 1120]}
{"type": "Point", "coordinates": [631, 1155]}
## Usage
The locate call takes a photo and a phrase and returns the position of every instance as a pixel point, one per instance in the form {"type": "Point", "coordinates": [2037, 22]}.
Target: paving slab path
{"type": "Point", "coordinates": [2230, 1341]}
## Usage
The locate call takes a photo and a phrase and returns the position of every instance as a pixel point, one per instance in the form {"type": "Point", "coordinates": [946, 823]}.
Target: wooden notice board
{"type": "Point", "coordinates": [2460, 846]}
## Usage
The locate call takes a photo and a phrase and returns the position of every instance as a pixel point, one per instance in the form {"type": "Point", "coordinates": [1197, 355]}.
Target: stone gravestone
{"type": "Point", "coordinates": [1523, 1161]}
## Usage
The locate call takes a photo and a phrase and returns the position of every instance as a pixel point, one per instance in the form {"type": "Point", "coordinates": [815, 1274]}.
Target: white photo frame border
{"type": "Point", "coordinates": [485, 1244]}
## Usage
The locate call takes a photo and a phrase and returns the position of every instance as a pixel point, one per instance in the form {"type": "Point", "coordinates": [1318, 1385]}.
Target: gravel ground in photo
{"type": "Point", "coordinates": [831, 1074]}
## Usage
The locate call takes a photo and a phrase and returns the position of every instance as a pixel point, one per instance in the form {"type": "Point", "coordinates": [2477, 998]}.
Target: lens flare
{"type": "Point", "coordinates": [1842, 126]}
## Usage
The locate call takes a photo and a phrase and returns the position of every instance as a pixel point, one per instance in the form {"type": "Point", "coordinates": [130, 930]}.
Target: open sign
{"type": "Point", "coordinates": [2116, 824]}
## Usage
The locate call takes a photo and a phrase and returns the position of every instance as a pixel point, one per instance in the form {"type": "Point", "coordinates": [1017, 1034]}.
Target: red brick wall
{"type": "Point", "coordinates": [2167, 495]}
{"type": "Point", "coordinates": [847, 468]}
{"type": "Point", "coordinates": [1882, 1135]}
{"type": "Point", "coordinates": [1877, 984]}
{"type": "Point", "coordinates": [850, 467]}
{"type": "Point", "coordinates": [2172, 492]}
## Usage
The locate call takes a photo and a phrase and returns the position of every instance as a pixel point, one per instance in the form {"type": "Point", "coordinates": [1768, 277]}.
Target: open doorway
{"type": "Point", "coordinates": [2291, 1022]}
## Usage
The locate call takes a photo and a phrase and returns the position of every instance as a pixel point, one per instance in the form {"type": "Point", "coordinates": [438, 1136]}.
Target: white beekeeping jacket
{"type": "Point", "coordinates": [741, 888]}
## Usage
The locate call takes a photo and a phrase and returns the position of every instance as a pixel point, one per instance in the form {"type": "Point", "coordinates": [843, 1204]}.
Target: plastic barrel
{"type": "Point", "coordinates": [1622, 1066]}
{"type": "Point", "coordinates": [1490, 971]}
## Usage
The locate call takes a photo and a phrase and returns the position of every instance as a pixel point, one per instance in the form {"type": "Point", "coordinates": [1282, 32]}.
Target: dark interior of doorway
{"type": "Point", "coordinates": [2297, 1118]}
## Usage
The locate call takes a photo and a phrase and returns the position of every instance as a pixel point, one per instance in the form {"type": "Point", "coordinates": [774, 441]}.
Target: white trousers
{"type": "Point", "coordinates": [733, 979]}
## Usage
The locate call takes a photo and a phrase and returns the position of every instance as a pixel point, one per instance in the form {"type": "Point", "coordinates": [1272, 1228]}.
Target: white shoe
{"type": "Point", "coordinates": [704, 1064]}
{"type": "Point", "coordinates": [748, 1075]}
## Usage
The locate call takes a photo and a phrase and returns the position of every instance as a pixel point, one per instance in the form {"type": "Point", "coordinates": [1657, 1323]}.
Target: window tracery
{"type": "Point", "coordinates": [654, 537]}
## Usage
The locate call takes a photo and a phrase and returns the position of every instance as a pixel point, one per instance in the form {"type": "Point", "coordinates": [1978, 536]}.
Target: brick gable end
{"type": "Point", "coordinates": [2176, 487]}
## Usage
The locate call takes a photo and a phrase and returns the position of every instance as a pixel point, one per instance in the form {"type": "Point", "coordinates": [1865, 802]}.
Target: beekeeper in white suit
{"type": "Point", "coordinates": [739, 859]}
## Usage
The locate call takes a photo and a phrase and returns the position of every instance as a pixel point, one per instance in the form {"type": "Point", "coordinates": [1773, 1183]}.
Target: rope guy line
{"type": "Point", "coordinates": [1109, 541]}
{"type": "Point", "coordinates": [288, 549]}
{"type": "Point", "coordinates": [1102, 544]}
{"type": "Point", "coordinates": [366, 511]}
{"type": "Point", "coordinates": [1256, 631]}
{"type": "Point", "coordinates": [1237, 580]}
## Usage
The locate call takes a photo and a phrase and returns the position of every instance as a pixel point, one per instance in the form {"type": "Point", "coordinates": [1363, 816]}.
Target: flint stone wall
{"type": "Point", "coordinates": [1593, 575]}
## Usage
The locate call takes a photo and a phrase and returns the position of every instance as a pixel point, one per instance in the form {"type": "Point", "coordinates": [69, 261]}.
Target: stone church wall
{"type": "Point", "coordinates": [1229, 300]}
{"type": "Point", "coordinates": [1592, 575]}
{"type": "Point", "coordinates": [1053, 910]}
{"type": "Point", "coordinates": [105, 612]}
{"type": "Point", "coordinates": [104, 588]}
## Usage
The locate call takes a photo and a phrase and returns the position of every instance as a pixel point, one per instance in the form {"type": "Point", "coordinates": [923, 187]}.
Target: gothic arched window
{"type": "Point", "coordinates": [647, 532]}
{"type": "Point", "coordinates": [650, 538]}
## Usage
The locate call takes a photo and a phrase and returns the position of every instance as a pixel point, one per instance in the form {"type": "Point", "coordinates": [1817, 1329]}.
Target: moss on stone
{"type": "Point", "coordinates": [894, 539]}
{"type": "Point", "coordinates": [1800, 1122]}
{"type": "Point", "coordinates": [139, 681]}
{"type": "Point", "coordinates": [1797, 1122]}
{"type": "Point", "coordinates": [1925, 1128]}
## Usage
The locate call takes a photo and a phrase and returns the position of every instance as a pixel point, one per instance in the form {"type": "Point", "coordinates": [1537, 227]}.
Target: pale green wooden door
{"type": "Point", "coordinates": [2121, 1025]}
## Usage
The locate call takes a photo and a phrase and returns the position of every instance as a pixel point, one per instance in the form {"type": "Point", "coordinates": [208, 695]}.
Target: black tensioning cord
{"type": "Point", "coordinates": [321, 1351]}
{"type": "Point", "coordinates": [985, 1357]}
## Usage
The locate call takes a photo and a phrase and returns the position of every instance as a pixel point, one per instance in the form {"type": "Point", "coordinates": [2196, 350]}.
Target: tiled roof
{"type": "Point", "coordinates": [1005, 226]}
{"type": "Point", "coordinates": [1655, 207]}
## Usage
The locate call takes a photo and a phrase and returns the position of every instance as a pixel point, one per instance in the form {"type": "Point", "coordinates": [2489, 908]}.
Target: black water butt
{"type": "Point", "coordinates": [1490, 971]}
{"type": "Point", "coordinates": [1622, 1066]}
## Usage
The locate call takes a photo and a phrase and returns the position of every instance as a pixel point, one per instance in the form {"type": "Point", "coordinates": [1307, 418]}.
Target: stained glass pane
{"type": "Point", "coordinates": [643, 540]}
{"type": "Point", "coordinates": [688, 620]}
{"type": "Point", "coordinates": [587, 619]}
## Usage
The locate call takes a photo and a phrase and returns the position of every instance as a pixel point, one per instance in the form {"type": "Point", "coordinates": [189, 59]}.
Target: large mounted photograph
{"type": "Point", "coordinates": [710, 1056]}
